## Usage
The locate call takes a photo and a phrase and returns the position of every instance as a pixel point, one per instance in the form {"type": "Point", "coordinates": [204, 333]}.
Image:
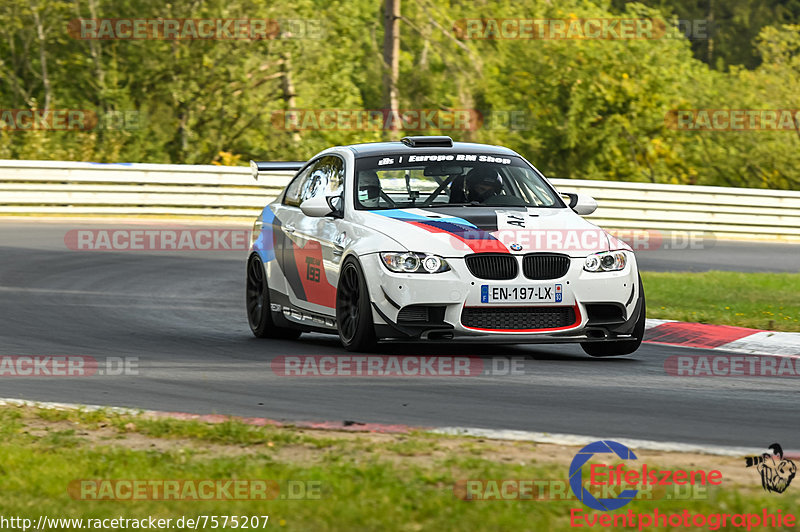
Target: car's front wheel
{"type": "Point", "coordinates": [353, 310]}
{"type": "Point", "coordinates": [258, 307]}
{"type": "Point", "coordinates": [621, 347]}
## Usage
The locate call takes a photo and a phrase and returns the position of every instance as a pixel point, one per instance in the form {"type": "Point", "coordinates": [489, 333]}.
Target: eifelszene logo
{"type": "Point", "coordinates": [776, 475]}
{"type": "Point", "coordinates": [612, 477]}
{"type": "Point", "coordinates": [576, 475]}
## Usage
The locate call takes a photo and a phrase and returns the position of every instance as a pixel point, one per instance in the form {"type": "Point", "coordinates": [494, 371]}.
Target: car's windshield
{"type": "Point", "coordinates": [437, 179]}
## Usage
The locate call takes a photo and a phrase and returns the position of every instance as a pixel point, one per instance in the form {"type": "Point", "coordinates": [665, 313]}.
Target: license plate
{"type": "Point", "coordinates": [521, 294]}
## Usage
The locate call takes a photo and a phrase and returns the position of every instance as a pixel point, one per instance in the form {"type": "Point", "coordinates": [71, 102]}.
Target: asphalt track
{"type": "Point", "coordinates": [181, 314]}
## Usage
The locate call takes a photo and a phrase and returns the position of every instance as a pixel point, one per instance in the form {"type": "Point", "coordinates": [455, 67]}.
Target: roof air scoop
{"type": "Point", "coordinates": [428, 142]}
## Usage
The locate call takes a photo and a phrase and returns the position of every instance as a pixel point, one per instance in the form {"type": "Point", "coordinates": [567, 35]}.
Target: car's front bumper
{"type": "Point", "coordinates": [452, 293]}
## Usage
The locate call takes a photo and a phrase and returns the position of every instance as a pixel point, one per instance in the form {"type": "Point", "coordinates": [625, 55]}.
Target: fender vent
{"type": "Point", "coordinates": [421, 314]}
{"type": "Point", "coordinates": [605, 313]}
{"type": "Point", "coordinates": [413, 313]}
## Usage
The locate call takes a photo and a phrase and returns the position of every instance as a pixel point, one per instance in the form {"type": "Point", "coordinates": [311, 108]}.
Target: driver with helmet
{"type": "Point", "coordinates": [369, 188]}
{"type": "Point", "coordinates": [482, 183]}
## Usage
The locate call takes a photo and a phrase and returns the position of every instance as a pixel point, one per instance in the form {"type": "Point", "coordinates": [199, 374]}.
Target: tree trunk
{"type": "Point", "coordinates": [97, 59]}
{"type": "Point", "coordinates": [48, 92]}
{"type": "Point", "coordinates": [94, 48]}
{"type": "Point", "coordinates": [710, 24]}
{"type": "Point", "coordinates": [391, 67]}
{"type": "Point", "coordinates": [287, 86]}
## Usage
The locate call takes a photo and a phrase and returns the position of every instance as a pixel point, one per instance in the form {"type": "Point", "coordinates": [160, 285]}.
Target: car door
{"type": "Point", "coordinates": [310, 253]}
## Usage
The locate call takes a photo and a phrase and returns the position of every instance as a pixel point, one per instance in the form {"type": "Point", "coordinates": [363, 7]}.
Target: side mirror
{"type": "Point", "coordinates": [581, 203]}
{"type": "Point", "coordinates": [320, 205]}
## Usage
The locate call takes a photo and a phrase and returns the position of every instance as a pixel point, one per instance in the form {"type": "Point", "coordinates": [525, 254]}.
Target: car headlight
{"type": "Point", "coordinates": [413, 262]}
{"type": "Point", "coordinates": [607, 261]}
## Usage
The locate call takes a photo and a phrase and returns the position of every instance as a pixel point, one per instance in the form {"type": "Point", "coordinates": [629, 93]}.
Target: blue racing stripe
{"type": "Point", "coordinates": [404, 216]}
{"type": "Point", "coordinates": [264, 245]}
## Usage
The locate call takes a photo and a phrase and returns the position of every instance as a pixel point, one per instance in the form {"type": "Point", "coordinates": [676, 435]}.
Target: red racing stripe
{"type": "Point", "coordinates": [483, 245]}
{"type": "Point", "coordinates": [312, 274]}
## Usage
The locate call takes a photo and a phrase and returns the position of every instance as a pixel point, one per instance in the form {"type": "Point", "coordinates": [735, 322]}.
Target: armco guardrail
{"type": "Point", "coordinates": [52, 187]}
{"type": "Point", "coordinates": [728, 212]}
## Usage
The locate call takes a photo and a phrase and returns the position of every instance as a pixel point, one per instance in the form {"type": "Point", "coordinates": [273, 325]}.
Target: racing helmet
{"type": "Point", "coordinates": [482, 183]}
{"type": "Point", "coordinates": [369, 188]}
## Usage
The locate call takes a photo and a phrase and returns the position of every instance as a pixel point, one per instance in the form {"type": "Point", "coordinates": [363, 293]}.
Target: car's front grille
{"type": "Point", "coordinates": [540, 266]}
{"type": "Point", "coordinates": [492, 266]}
{"type": "Point", "coordinates": [517, 318]}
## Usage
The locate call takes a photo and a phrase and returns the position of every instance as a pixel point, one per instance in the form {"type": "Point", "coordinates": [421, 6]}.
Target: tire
{"type": "Point", "coordinates": [621, 347]}
{"type": "Point", "coordinates": [259, 315]}
{"type": "Point", "coordinates": [353, 309]}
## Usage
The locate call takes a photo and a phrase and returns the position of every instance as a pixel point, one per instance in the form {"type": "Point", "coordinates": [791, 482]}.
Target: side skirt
{"type": "Point", "coordinates": [285, 315]}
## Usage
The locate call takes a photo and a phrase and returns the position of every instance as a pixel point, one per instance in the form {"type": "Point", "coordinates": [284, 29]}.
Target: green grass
{"type": "Point", "coordinates": [769, 301]}
{"type": "Point", "coordinates": [367, 482]}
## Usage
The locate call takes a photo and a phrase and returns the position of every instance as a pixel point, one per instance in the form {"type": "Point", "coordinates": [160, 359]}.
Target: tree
{"type": "Point", "coordinates": [391, 62]}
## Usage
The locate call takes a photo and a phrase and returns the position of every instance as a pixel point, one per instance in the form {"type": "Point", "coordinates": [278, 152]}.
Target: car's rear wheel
{"type": "Point", "coordinates": [353, 310]}
{"type": "Point", "coordinates": [621, 347]}
{"type": "Point", "coordinates": [258, 307]}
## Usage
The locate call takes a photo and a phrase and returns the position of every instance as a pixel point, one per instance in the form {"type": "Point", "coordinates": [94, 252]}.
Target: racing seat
{"type": "Point", "coordinates": [457, 194]}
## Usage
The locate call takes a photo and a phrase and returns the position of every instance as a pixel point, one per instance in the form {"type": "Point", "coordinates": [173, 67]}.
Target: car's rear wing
{"type": "Point", "coordinates": [274, 166]}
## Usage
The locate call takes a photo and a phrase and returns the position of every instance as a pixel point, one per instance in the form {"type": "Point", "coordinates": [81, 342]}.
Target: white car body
{"type": "Point", "coordinates": [302, 257]}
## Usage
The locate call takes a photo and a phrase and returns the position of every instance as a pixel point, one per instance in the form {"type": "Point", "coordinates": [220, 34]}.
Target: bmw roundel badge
{"type": "Point", "coordinates": [516, 247]}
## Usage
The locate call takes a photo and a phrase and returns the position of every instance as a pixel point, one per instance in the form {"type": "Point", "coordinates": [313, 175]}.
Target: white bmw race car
{"type": "Point", "coordinates": [428, 239]}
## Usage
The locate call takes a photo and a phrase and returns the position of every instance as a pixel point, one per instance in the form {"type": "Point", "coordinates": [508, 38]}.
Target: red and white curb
{"type": "Point", "coordinates": [722, 338]}
{"type": "Point", "coordinates": [492, 434]}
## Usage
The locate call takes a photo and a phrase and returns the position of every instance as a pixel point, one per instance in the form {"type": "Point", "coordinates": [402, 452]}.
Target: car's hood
{"type": "Point", "coordinates": [458, 231]}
